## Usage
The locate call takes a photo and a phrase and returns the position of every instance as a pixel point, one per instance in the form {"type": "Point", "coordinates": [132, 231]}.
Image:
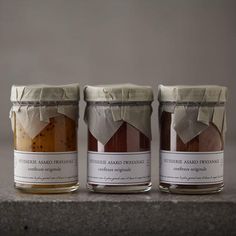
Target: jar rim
{"type": "Point", "coordinates": [45, 93]}
{"type": "Point", "coordinates": [187, 93]}
{"type": "Point", "coordinates": [118, 93]}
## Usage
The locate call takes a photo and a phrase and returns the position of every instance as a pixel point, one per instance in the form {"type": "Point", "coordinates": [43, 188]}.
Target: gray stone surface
{"type": "Point", "coordinates": [84, 213]}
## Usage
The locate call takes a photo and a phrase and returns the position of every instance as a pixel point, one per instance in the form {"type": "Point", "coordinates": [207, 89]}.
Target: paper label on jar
{"type": "Point", "coordinates": [45, 167]}
{"type": "Point", "coordinates": [119, 168]}
{"type": "Point", "coordinates": [191, 168]}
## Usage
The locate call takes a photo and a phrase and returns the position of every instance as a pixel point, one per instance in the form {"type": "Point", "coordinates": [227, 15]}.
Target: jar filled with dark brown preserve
{"type": "Point", "coordinates": [119, 136]}
{"type": "Point", "coordinates": [192, 131]}
{"type": "Point", "coordinates": [44, 121]}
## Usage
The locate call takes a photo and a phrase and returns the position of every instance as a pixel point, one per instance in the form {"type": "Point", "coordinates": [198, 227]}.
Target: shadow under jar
{"type": "Point", "coordinates": [44, 121]}
{"type": "Point", "coordinates": [192, 130]}
{"type": "Point", "coordinates": [119, 137]}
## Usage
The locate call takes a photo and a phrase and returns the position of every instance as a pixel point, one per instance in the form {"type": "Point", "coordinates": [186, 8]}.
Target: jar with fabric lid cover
{"type": "Point", "coordinates": [119, 137]}
{"type": "Point", "coordinates": [44, 121]}
{"type": "Point", "coordinates": [192, 137]}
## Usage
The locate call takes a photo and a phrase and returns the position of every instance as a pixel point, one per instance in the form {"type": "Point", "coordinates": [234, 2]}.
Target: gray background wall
{"type": "Point", "coordinates": [114, 41]}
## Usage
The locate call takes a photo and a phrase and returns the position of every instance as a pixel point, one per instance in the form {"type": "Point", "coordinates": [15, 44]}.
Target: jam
{"type": "Point", "coordinates": [119, 153]}
{"type": "Point", "coordinates": [44, 120]}
{"type": "Point", "coordinates": [192, 130]}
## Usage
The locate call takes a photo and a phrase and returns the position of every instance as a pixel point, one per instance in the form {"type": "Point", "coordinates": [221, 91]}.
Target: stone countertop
{"type": "Point", "coordinates": [84, 213]}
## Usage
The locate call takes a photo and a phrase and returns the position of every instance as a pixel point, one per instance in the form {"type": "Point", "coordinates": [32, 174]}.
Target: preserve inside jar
{"type": "Point", "coordinates": [191, 153]}
{"type": "Point", "coordinates": [45, 149]}
{"type": "Point", "coordinates": [126, 139]}
{"type": "Point", "coordinates": [119, 157]}
{"type": "Point", "coordinates": [60, 135]}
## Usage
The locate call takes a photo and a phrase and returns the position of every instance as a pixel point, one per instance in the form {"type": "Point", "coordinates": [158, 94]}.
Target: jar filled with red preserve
{"type": "Point", "coordinates": [119, 138]}
{"type": "Point", "coordinates": [192, 137]}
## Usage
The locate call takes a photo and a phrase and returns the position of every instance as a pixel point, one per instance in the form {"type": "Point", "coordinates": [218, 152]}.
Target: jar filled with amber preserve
{"type": "Point", "coordinates": [119, 136]}
{"type": "Point", "coordinates": [44, 121]}
{"type": "Point", "coordinates": [192, 137]}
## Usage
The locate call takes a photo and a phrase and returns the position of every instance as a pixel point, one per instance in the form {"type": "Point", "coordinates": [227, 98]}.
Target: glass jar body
{"type": "Point", "coordinates": [208, 142]}
{"type": "Point", "coordinates": [126, 141]}
{"type": "Point", "coordinates": [54, 149]}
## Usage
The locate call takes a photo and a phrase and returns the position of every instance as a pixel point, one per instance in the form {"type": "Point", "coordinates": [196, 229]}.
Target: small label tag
{"type": "Point", "coordinates": [191, 168]}
{"type": "Point", "coordinates": [119, 168]}
{"type": "Point", "coordinates": [45, 167]}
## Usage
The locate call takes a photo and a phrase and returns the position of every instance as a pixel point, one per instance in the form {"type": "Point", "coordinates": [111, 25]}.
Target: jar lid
{"type": "Point", "coordinates": [44, 93]}
{"type": "Point", "coordinates": [202, 93]}
{"type": "Point", "coordinates": [118, 93]}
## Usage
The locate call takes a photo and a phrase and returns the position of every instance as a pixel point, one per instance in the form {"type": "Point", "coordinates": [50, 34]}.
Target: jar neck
{"type": "Point", "coordinates": [194, 104]}
{"type": "Point", "coordinates": [119, 103]}
{"type": "Point", "coordinates": [44, 103]}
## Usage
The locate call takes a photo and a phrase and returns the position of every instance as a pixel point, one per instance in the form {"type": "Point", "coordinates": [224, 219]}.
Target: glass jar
{"type": "Point", "coordinates": [119, 136]}
{"type": "Point", "coordinates": [192, 131]}
{"type": "Point", "coordinates": [44, 121]}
